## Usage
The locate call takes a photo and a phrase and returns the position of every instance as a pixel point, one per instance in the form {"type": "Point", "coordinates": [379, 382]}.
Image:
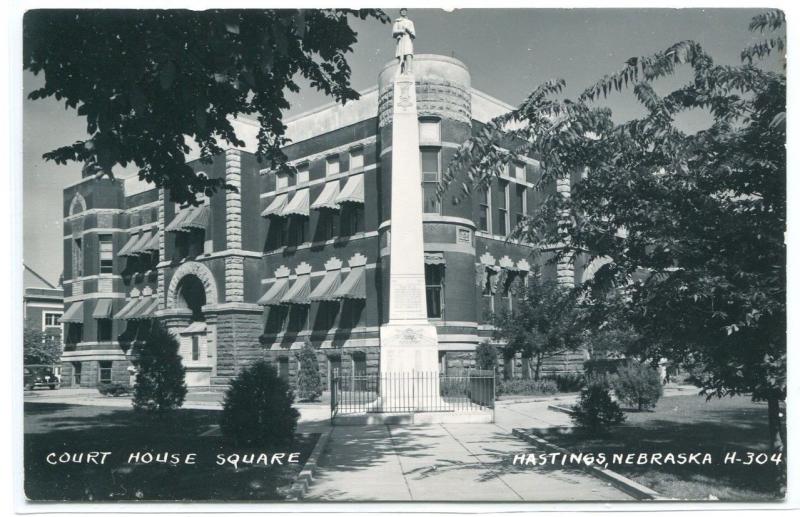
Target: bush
{"type": "Point", "coordinates": [309, 382]}
{"type": "Point", "coordinates": [569, 382]}
{"type": "Point", "coordinates": [161, 379]}
{"type": "Point", "coordinates": [258, 408]}
{"type": "Point", "coordinates": [638, 385]}
{"type": "Point", "coordinates": [596, 411]}
{"type": "Point", "coordinates": [527, 387]}
{"type": "Point", "coordinates": [114, 389]}
{"type": "Point", "coordinates": [485, 357]}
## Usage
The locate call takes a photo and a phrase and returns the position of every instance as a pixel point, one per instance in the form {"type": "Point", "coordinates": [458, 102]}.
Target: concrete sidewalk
{"type": "Point", "coordinates": [445, 462]}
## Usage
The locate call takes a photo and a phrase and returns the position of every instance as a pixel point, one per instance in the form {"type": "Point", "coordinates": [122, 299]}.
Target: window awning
{"type": "Point", "coordinates": [132, 242]}
{"type": "Point", "coordinates": [275, 293]}
{"type": "Point", "coordinates": [74, 314]}
{"type": "Point", "coordinates": [276, 207]}
{"type": "Point", "coordinates": [434, 258]}
{"type": "Point", "coordinates": [198, 219]}
{"type": "Point", "coordinates": [196, 327]}
{"type": "Point", "coordinates": [123, 312]}
{"type": "Point", "coordinates": [152, 243]}
{"type": "Point", "coordinates": [327, 198]}
{"type": "Point", "coordinates": [103, 309]}
{"type": "Point", "coordinates": [354, 286]}
{"type": "Point", "coordinates": [140, 245]}
{"type": "Point", "coordinates": [326, 287]}
{"type": "Point", "coordinates": [353, 191]}
{"type": "Point", "coordinates": [176, 225]}
{"type": "Point", "coordinates": [298, 205]}
{"type": "Point", "coordinates": [299, 292]}
{"type": "Point", "coordinates": [133, 313]}
{"type": "Point", "coordinates": [149, 309]}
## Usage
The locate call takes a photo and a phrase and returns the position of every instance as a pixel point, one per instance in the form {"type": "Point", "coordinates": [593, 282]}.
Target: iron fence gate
{"type": "Point", "coordinates": [401, 392]}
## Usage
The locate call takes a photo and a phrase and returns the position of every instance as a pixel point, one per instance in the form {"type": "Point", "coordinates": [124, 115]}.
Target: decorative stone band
{"type": "Point", "coordinates": [435, 98]}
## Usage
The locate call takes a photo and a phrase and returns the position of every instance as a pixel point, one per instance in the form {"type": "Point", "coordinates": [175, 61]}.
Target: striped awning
{"type": "Point", "coordinates": [149, 310]}
{"type": "Point", "coordinates": [102, 309]}
{"type": "Point", "coordinates": [327, 198]}
{"type": "Point", "coordinates": [74, 313]}
{"type": "Point", "coordinates": [353, 191]}
{"type": "Point", "coordinates": [140, 245]}
{"type": "Point", "coordinates": [123, 312]}
{"type": "Point", "coordinates": [275, 293]}
{"type": "Point", "coordinates": [176, 225]}
{"type": "Point", "coordinates": [326, 287]}
{"type": "Point", "coordinates": [276, 207]}
{"type": "Point", "coordinates": [298, 205]}
{"type": "Point", "coordinates": [299, 292]}
{"type": "Point", "coordinates": [198, 220]}
{"type": "Point", "coordinates": [434, 258]}
{"type": "Point", "coordinates": [152, 243]}
{"type": "Point", "coordinates": [132, 242]}
{"type": "Point", "coordinates": [133, 313]}
{"type": "Point", "coordinates": [354, 286]}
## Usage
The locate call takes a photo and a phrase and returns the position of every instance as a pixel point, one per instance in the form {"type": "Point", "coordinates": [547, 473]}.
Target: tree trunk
{"type": "Point", "coordinates": [536, 373]}
{"type": "Point", "coordinates": [776, 436]}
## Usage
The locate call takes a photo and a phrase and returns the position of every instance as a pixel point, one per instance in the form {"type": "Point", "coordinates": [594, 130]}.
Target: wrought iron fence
{"type": "Point", "coordinates": [401, 392]}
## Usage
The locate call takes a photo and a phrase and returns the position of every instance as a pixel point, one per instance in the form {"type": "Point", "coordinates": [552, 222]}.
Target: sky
{"type": "Point", "coordinates": [508, 52]}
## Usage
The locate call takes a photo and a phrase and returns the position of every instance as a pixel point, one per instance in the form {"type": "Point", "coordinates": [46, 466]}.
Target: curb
{"type": "Point", "coordinates": [306, 477]}
{"type": "Point", "coordinates": [628, 486]}
{"type": "Point", "coordinates": [561, 409]}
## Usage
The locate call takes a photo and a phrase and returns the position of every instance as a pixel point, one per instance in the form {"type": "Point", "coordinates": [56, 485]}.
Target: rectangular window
{"type": "Point", "coordinates": [298, 318]}
{"type": "Point", "coordinates": [76, 373]}
{"type": "Point", "coordinates": [283, 368]}
{"type": "Point", "coordinates": [195, 348]}
{"type": "Point", "coordinates": [521, 203]}
{"type": "Point", "coordinates": [485, 210]}
{"type": "Point", "coordinates": [104, 371]}
{"type": "Point", "coordinates": [302, 173]}
{"type": "Point", "coordinates": [74, 333]}
{"type": "Point", "coordinates": [332, 165]}
{"type": "Point", "coordinates": [359, 371]}
{"type": "Point", "coordinates": [334, 367]}
{"type": "Point", "coordinates": [434, 290]}
{"type": "Point", "coordinates": [519, 171]}
{"type": "Point", "coordinates": [106, 244]}
{"type": "Point", "coordinates": [77, 258]}
{"type": "Point", "coordinates": [430, 180]}
{"type": "Point", "coordinates": [429, 132]}
{"type": "Point", "coordinates": [52, 319]}
{"type": "Point", "coordinates": [352, 219]}
{"type": "Point", "coordinates": [281, 180]}
{"type": "Point", "coordinates": [356, 158]}
{"type": "Point", "coordinates": [104, 329]}
{"type": "Point", "coordinates": [326, 315]}
{"type": "Point", "coordinates": [298, 229]}
{"type": "Point", "coordinates": [502, 210]}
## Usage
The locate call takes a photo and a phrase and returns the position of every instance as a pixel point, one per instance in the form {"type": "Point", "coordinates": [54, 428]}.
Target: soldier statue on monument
{"type": "Point", "coordinates": [403, 33]}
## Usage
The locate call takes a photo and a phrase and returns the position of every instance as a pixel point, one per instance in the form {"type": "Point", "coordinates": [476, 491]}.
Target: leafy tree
{"type": "Point", "coordinates": [638, 385]}
{"type": "Point", "coordinates": [309, 382]}
{"type": "Point", "coordinates": [691, 224]}
{"type": "Point", "coordinates": [546, 322]}
{"type": "Point", "coordinates": [40, 347]}
{"type": "Point", "coordinates": [150, 82]}
{"type": "Point", "coordinates": [485, 356]}
{"type": "Point", "coordinates": [258, 408]}
{"type": "Point", "coordinates": [160, 378]}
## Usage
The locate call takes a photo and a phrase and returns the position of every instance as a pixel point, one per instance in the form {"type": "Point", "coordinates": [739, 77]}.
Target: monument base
{"type": "Point", "coordinates": [410, 368]}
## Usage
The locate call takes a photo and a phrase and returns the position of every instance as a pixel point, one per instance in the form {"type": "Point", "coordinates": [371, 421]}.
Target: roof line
{"type": "Point", "coordinates": [37, 275]}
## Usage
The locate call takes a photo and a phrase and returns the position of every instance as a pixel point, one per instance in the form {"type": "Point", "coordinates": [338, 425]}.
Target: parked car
{"type": "Point", "coordinates": [41, 375]}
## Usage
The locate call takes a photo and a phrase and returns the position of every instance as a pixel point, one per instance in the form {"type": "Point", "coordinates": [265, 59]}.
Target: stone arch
{"type": "Point", "coordinates": [200, 271]}
{"type": "Point", "coordinates": [78, 204]}
{"type": "Point", "coordinates": [592, 267]}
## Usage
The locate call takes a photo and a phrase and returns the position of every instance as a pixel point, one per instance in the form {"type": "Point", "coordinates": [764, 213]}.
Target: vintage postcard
{"type": "Point", "coordinates": [403, 255]}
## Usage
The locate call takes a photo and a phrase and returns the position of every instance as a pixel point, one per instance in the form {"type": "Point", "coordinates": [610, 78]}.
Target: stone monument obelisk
{"type": "Point", "coordinates": [408, 340]}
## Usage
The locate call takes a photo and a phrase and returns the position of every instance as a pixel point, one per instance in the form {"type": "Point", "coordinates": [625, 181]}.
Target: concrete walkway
{"type": "Point", "coordinates": [445, 462]}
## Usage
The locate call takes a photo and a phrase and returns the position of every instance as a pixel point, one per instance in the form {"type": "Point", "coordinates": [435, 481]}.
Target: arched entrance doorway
{"type": "Point", "coordinates": [191, 294]}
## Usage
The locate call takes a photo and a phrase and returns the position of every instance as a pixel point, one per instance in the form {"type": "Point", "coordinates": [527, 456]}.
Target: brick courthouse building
{"type": "Point", "coordinates": [297, 257]}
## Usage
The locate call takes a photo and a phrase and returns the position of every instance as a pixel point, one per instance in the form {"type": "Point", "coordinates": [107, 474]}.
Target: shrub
{"type": "Point", "coordinates": [637, 385]}
{"type": "Point", "coordinates": [258, 408]}
{"type": "Point", "coordinates": [485, 357]}
{"type": "Point", "coordinates": [569, 382]}
{"type": "Point", "coordinates": [114, 389]}
{"type": "Point", "coordinates": [161, 378]}
{"type": "Point", "coordinates": [596, 411]}
{"type": "Point", "coordinates": [309, 382]}
{"type": "Point", "coordinates": [527, 387]}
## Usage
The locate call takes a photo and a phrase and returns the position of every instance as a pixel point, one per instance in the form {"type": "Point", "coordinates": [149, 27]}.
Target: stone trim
{"type": "Point", "coordinates": [327, 152]}
{"type": "Point", "coordinates": [435, 98]}
{"type": "Point", "coordinates": [306, 245]}
{"type": "Point", "coordinates": [93, 296]}
{"type": "Point", "coordinates": [234, 279]}
{"type": "Point", "coordinates": [161, 281]}
{"type": "Point", "coordinates": [93, 211]}
{"type": "Point", "coordinates": [233, 201]}
{"type": "Point", "coordinates": [285, 273]}
{"type": "Point", "coordinates": [199, 270]}
{"type": "Point", "coordinates": [442, 144]}
{"type": "Point", "coordinates": [319, 181]}
{"type": "Point", "coordinates": [232, 307]}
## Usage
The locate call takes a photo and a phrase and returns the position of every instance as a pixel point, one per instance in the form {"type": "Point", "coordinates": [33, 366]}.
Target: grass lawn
{"type": "Point", "coordinates": [688, 423]}
{"type": "Point", "coordinates": [70, 428]}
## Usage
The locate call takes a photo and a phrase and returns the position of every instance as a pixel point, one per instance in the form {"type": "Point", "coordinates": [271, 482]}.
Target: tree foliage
{"type": "Point", "coordinates": [40, 347]}
{"type": "Point", "coordinates": [691, 224]}
{"type": "Point", "coordinates": [546, 322]}
{"type": "Point", "coordinates": [485, 357]}
{"type": "Point", "coordinates": [309, 382]}
{"type": "Point", "coordinates": [150, 82]}
{"type": "Point", "coordinates": [160, 376]}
